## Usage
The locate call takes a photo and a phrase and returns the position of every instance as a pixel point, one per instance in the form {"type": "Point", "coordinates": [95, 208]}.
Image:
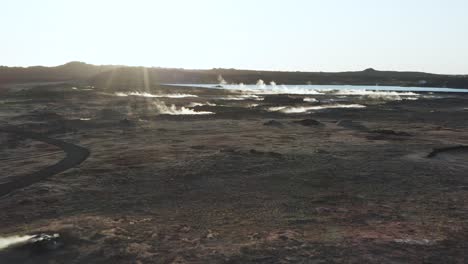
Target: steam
{"type": "Point", "coordinates": [372, 93]}
{"type": "Point", "coordinates": [6, 242]}
{"type": "Point", "coordinates": [383, 97]}
{"type": "Point", "coordinates": [310, 100]}
{"type": "Point", "coordinates": [242, 97]}
{"type": "Point", "coordinates": [304, 109]}
{"type": "Point", "coordinates": [261, 84]}
{"type": "Point", "coordinates": [194, 104]}
{"type": "Point", "coordinates": [149, 95]}
{"type": "Point", "coordinates": [14, 241]}
{"type": "Point", "coordinates": [162, 108]}
{"type": "Point", "coordinates": [221, 80]}
{"type": "Point", "coordinates": [273, 88]}
{"type": "Point", "coordinates": [389, 96]}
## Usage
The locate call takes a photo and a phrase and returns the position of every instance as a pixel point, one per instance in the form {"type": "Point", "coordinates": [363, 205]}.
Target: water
{"type": "Point", "coordinates": [323, 89]}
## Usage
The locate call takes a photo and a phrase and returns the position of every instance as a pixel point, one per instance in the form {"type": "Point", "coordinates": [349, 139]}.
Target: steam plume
{"type": "Point", "coordinates": [221, 80]}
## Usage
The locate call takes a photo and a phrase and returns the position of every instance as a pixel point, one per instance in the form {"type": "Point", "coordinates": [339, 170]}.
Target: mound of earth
{"type": "Point", "coordinates": [309, 123]}
{"type": "Point", "coordinates": [273, 123]}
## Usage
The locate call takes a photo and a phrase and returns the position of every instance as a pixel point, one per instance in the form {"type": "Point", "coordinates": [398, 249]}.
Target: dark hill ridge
{"type": "Point", "coordinates": [122, 76]}
{"type": "Point", "coordinates": [70, 71]}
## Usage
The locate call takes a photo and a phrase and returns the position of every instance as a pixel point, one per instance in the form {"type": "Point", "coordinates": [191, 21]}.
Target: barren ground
{"type": "Point", "coordinates": [358, 187]}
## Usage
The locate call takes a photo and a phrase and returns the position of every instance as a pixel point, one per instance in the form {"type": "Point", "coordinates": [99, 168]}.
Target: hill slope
{"type": "Point", "coordinates": [66, 72]}
{"type": "Point", "coordinates": [122, 77]}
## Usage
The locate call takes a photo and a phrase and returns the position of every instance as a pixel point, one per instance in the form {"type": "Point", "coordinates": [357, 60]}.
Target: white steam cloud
{"type": "Point", "coordinates": [242, 97]}
{"type": "Point", "coordinates": [304, 109]}
{"type": "Point", "coordinates": [389, 96]}
{"type": "Point", "coordinates": [261, 84]}
{"type": "Point", "coordinates": [367, 92]}
{"type": "Point", "coordinates": [221, 80]}
{"type": "Point", "coordinates": [162, 108]}
{"type": "Point", "coordinates": [6, 242]}
{"type": "Point", "coordinates": [310, 100]}
{"type": "Point", "coordinates": [273, 88]}
{"type": "Point", "coordinates": [149, 95]}
{"type": "Point", "coordinates": [194, 104]}
{"type": "Point", "coordinates": [15, 241]}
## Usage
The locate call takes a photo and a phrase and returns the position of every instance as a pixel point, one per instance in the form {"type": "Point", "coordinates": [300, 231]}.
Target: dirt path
{"type": "Point", "coordinates": [75, 155]}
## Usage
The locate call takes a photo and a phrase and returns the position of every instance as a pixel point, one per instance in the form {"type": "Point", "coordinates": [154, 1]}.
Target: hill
{"type": "Point", "coordinates": [70, 71]}
{"type": "Point", "coordinates": [122, 77]}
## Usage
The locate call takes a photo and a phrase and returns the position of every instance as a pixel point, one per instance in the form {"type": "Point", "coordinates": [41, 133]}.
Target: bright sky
{"type": "Point", "coordinates": [305, 35]}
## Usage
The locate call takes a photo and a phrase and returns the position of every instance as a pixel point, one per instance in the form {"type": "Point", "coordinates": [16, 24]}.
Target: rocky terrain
{"type": "Point", "coordinates": [192, 175]}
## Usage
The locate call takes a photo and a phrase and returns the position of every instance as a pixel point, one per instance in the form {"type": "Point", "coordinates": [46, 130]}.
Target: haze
{"type": "Point", "coordinates": [292, 35]}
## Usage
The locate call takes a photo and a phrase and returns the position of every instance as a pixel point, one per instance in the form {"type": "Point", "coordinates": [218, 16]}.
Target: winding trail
{"type": "Point", "coordinates": [75, 155]}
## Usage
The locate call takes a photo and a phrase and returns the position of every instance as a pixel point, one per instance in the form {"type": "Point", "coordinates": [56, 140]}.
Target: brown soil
{"type": "Point", "coordinates": [225, 188]}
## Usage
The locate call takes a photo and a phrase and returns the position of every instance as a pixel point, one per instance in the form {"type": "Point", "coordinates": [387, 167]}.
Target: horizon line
{"type": "Point", "coordinates": [236, 69]}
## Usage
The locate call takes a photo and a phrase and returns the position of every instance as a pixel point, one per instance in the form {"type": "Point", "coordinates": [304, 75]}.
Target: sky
{"type": "Point", "coordinates": [289, 35]}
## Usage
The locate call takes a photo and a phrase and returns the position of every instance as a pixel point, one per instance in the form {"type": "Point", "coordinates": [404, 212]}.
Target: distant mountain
{"type": "Point", "coordinates": [70, 71]}
{"type": "Point", "coordinates": [124, 78]}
